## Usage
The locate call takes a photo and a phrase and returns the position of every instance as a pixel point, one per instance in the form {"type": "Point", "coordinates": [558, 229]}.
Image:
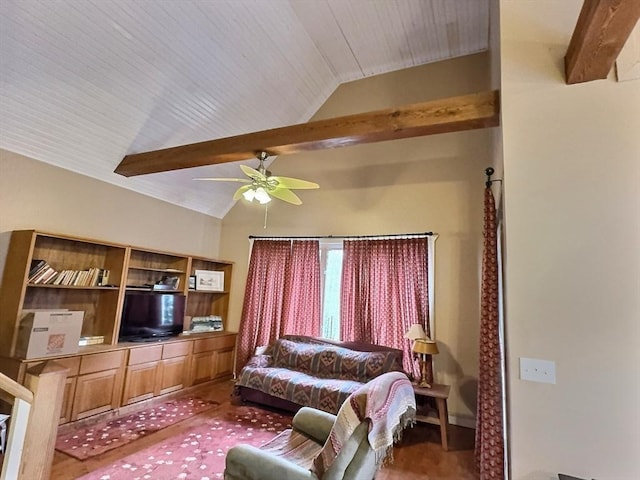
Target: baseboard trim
{"type": "Point", "coordinates": [463, 421]}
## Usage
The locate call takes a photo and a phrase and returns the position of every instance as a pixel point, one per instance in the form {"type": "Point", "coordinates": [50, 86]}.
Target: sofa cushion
{"type": "Point", "coordinates": [296, 356]}
{"type": "Point", "coordinates": [327, 361]}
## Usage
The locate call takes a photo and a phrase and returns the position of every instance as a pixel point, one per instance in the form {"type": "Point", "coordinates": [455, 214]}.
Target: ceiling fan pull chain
{"type": "Point", "coordinates": [266, 210]}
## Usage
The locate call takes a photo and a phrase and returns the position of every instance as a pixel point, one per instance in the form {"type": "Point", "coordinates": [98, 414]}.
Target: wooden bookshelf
{"type": "Point", "coordinates": [103, 377]}
{"type": "Point", "coordinates": [99, 304]}
{"type": "Point", "coordinates": [130, 268]}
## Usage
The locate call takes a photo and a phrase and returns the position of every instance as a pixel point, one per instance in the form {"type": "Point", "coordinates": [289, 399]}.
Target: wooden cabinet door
{"type": "Point", "coordinates": [140, 382]}
{"type": "Point", "coordinates": [71, 363]}
{"type": "Point", "coordinates": [223, 362]}
{"type": "Point", "coordinates": [96, 393]}
{"type": "Point", "coordinates": [172, 375]}
{"type": "Point", "coordinates": [202, 367]}
{"type": "Point", "coordinates": [67, 400]}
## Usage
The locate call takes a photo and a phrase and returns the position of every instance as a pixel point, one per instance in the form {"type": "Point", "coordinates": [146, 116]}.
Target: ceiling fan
{"type": "Point", "coordinates": [262, 185]}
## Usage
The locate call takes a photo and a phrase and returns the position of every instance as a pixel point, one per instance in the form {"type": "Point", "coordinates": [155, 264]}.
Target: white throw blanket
{"type": "Point", "coordinates": [387, 402]}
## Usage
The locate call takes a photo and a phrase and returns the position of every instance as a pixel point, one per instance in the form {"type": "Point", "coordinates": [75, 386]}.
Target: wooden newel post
{"type": "Point", "coordinates": [47, 382]}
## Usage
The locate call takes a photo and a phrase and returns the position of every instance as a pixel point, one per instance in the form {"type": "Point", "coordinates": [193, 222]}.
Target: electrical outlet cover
{"type": "Point", "coordinates": [535, 370]}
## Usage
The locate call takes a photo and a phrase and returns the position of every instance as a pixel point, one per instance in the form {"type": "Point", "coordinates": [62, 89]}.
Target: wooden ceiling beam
{"type": "Point", "coordinates": [602, 30]}
{"type": "Point", "coordinates": [454, 114]}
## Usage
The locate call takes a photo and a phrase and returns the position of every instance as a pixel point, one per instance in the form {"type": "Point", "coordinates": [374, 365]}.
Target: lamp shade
{"type": "Point", "coordinates": [425, 346]}
{"type": "Point", "coordinates": [416, 331]}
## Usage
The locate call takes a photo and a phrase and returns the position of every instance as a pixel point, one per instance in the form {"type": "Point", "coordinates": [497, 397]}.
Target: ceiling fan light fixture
{"type": "Point", "coordinates": [257, 193]}
{"type": "Point", "coordinates": [262, 196]}
{"type": "Point", "coordinates": [249, 195]}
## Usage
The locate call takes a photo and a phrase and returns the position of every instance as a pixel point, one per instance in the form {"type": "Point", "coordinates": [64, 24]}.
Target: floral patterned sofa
{"type": "Point", "coordinates": [297, 371]}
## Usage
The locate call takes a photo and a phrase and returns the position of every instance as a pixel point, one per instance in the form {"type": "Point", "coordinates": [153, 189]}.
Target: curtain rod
{"type": "Point", "coordinates": [488, 172]}
{"type": "Point", "coordinates": [380, 237]}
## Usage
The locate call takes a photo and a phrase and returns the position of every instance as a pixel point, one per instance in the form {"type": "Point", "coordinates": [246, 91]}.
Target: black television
{"type": "Point", "coordinates": [149, 316]}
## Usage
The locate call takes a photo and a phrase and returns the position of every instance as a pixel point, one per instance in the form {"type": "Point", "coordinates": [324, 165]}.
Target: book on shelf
{"type": "Point", "coordinates": [93, 276]}
{"type": "Point", "coordinates": [103, 277]}
{"type": "Point", "coordinates": [79, 278]}
{"type": "Point", "coordinates": [76, 278]}
{"type": "Point", "coordinates": [50, 275]}
{"type": "Point", "coordinates": [36, 267]}
{"type": "Point", "coordinates": [66, 279]}
{"type": "Point", "coordinates": [38, 275]}
{"type": "Point", "coordinates": [94, 340]}
{"type": "Point", "coordinates": [59, 277]}
{"type": "Point", "coordinates": [45, 275]}
{"type": "Point", "coordinates": [38, 271]}
{"type": "Point", "coordinates": [73, 277]}
{"type": "Point", "coordinates": [208, 323]}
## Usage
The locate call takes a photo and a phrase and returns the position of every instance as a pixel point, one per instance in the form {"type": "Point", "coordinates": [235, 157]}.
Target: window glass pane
{"type": "Point", "coordinates": [331, 292]}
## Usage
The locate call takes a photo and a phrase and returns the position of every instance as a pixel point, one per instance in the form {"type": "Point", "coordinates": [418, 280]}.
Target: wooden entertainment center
{"type": "Point", "coordinates": [106, 376]}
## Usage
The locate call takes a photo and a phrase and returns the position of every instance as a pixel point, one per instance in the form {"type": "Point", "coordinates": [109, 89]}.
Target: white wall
{"type": "Point", "coordinates": [35, 195]}
{"type": "Point", "coordinates": [572, 198]}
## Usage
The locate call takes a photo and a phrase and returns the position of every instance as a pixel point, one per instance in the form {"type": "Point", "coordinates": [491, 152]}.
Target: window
{"type": "Point", "coordinates": [331, 275]}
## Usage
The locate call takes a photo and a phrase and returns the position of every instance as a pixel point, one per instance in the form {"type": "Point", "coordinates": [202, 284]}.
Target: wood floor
{"type": "Point", "coordinates": [419, 456]}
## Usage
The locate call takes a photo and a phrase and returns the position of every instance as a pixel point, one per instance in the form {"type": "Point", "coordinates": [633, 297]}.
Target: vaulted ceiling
{"type": "Point", "coordinates": [85, 82]}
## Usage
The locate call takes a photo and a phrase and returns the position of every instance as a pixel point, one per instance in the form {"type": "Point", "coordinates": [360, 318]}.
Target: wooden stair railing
{"type": "Point", "coordinates": [34, 421]}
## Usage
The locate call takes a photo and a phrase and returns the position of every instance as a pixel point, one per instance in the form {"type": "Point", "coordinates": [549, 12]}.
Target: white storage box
{"type": "Point", "coordinates": [49, 333]}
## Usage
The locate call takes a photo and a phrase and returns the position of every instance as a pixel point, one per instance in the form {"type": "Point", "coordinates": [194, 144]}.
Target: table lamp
{"type": "Point", "coordinates": [416, 331]}
{"type": "Point", "coordinates": [424, 347]}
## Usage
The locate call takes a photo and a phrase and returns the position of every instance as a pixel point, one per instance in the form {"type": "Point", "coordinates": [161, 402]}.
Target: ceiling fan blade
{"type": "Point", "coordinates": [242, 180]}
{"type": "Point", "coordinates": [240, 191]}
{"type": "Point", "coordinates": [285, 195]}
{"type": "Point", "coordinates": [295, 183]}
{"type": "Point", "coordinates": [252, 173]}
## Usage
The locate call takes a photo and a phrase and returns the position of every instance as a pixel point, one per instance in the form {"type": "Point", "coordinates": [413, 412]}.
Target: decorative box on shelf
{"type": "Point", "coordinates": [44, 333]}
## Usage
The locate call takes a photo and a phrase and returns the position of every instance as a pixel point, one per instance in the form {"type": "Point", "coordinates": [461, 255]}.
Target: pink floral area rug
{"type": "Point", "coordinates": [94, 439]}
{"type": "Point", "coordinates": [198, 454]}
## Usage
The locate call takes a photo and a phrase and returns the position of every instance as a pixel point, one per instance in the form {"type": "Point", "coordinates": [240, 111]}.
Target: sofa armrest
{"type": "Point", "coordinates": [245, 462]}
{"type": "Point", "coordinates": [314, 423]}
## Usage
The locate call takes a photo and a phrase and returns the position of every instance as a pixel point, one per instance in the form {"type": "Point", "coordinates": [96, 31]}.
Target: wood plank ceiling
{"type": "Point", "coordinates": [85, 82]}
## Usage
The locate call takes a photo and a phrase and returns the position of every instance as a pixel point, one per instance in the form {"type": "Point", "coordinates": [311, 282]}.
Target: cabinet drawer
{"type": "Point", "coordinates": [72, 363]}
{"type": "Point", "coordinates": [98, 362]}
{"type": "Point", "coordinates": [178, 349]}
{"type": "Point", "coordinates": [145, 354]}
{"type": "Point", "coordinates": [214, 343]}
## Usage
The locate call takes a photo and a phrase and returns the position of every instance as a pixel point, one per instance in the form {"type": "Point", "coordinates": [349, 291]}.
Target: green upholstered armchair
{"type": "Point", "coordinates": [290, 455]}
{"type": "Point", "coordinates": [321, 446]}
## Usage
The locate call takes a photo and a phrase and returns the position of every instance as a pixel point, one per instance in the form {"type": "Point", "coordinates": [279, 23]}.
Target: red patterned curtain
{"type": "Point", "coordinates": [489, 425]}
{"type": "Point", "coordinates": [354, 294]}
{"type": "Point", "coordinates": [260, 322]}
{"type": "Point", "coordinates": [385, 291]}
{"type": "Point", "coordinates": [301, 309]}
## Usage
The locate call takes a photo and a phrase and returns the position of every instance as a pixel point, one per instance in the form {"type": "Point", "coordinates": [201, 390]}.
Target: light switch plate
{"type": "Point", "coordinates": [535, 370]}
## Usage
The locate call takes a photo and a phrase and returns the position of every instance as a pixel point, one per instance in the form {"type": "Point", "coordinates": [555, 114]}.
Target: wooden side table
{"type": "Point", "coordinates": [440, 393]}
